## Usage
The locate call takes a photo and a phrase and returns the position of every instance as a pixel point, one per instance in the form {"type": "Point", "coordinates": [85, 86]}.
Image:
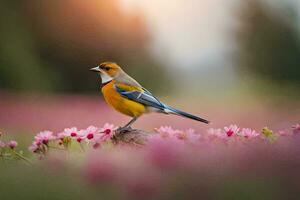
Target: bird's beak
{"type": "Point", "coordinates": [96, 69]}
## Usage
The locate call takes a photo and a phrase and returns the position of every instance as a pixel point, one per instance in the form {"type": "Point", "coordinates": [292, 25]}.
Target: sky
{"type": "Point", "coordinates": [188, 33]}
{"type": "Point", "coordinates": [191, 33]}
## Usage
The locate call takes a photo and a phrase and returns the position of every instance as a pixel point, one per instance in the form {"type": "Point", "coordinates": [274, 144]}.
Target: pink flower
{"type": "Point", "coordinates": [107, 128]}
{"type": "Point", "coordinates": [61, 135]}
{"type": "Point", "coordinates": [190, 131]}
{"type": "Point", "coordinates": [249, 133]}
{"type": "Point", "coordinates": [90, 132]}
{"type": "Point", "coordinates": [167, 131]}
{"type": "Point", "coordinates": [12, 144]}
{"type": "Point", "coordinates": [283, 133]}
{"type": "Point", "coordinates": [68, 132]}
{"type": "Point", "coordinates": [96, 141]}
{"type": "Point", "coordinates": [107, 131]}
{"type": "Point", "coordinates": [296, 128]}
{"type": "Point", "coordinates": [80, 135]}
{"type": "Point", "coordinates": [188, 135]}
{"type": "Point", "coordinates": [44, 137]}
{"type": "Point", "coordinates": [216, 133]}
{"type": "Point", "coordinates": [34, 147]}
{"type": "Point", "coordinates": [71, 131]}
{"type": "Point", "coordinates": [231, 130]}
{"type": "Point", "coordinates": [2, 144]}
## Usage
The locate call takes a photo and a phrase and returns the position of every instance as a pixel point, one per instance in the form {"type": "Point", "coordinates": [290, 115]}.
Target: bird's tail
{"type": "Point", "coordinates": [175, 111]}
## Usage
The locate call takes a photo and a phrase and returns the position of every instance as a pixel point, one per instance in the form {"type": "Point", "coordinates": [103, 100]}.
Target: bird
{"type": "Point", "coordinates": [128, 97]}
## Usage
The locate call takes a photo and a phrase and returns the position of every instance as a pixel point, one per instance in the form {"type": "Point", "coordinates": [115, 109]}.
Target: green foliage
{"type": "Point", "coordinates": [30, 182]}
{"type": "Point", "coordinates": [235, 188]}
{"type": "Point", "coordinates": [268, 43]}
{"type": "Point", "coordinates": [20, 66]}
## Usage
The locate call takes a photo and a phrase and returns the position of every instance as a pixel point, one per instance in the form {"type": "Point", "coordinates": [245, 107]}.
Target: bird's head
{"type": "Point", "coordinates": [107, 70]}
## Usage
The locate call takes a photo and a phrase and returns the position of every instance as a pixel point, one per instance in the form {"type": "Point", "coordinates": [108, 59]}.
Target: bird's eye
{"type": "Point", "coordinates": [106, 68]}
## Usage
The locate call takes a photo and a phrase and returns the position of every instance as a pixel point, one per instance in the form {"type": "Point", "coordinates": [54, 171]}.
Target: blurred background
{"type": "Point", "coordinates": [230, 61]}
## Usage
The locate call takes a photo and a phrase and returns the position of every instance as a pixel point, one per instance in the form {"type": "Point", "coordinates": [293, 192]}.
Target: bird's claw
{"type": "Point", "coordinates": [123, 130]}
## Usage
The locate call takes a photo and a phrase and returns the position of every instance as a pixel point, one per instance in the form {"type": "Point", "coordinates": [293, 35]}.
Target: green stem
{"type": "Point", "coordinates": [22, 157]}
{"type": "Point", "coordinates": [81, 147]}
{"type": "Point", "coordinates": [57, 148]}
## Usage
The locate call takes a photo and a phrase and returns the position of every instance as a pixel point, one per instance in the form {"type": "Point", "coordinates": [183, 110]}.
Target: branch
{"type": "Point", "coordinates": [131, 136]}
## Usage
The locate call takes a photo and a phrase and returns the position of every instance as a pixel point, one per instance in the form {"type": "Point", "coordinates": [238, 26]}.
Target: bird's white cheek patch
{"type": "Point", "coordinates": [105, 77]}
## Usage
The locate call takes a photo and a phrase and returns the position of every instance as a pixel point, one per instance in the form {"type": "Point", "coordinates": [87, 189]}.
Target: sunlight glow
{"type": "Point", "coordinates": [190, 31]}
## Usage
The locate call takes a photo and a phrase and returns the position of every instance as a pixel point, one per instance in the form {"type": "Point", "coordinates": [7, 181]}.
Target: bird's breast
{"type": "Point", "coordinates": [120, 103]}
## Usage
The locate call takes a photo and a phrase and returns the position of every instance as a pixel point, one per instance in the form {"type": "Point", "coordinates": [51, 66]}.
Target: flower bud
{"type": "Point", "coordinates": [12, 144]}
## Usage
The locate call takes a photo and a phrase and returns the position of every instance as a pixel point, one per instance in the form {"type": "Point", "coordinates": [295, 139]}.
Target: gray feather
{"type": "Point", "coordinates": [145, 98]}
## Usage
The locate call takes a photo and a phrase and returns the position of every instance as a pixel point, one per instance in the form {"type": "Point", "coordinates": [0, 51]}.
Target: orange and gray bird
{"type": "Point", "coordinates": [127, 96]}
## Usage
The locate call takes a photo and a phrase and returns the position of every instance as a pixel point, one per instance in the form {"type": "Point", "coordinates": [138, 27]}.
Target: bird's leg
{"type": "Point", "coordinates": [130, 122]}
{"type": "Point", "coordinates": [127, 126]}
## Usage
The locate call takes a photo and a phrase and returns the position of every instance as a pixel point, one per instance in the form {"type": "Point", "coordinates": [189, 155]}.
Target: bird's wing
{"type": "Point", "coordinates": [139, 95]}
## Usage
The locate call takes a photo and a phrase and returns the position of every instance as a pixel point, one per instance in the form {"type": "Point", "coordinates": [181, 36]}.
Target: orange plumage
{"type": "Point", "coordinates": [121, 104]}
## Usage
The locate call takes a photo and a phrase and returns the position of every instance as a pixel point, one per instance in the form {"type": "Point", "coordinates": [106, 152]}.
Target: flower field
{"type": "Point", "coordinates": [225, 163]}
